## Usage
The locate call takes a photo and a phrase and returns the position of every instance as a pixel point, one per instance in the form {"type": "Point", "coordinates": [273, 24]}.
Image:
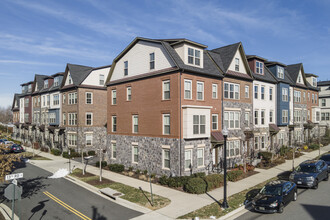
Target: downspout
{"type": "Point", "coordinates": [180, 145]}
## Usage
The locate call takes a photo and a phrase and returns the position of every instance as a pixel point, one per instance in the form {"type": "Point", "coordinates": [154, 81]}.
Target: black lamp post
{"type": "Point", "coordinates": [225, 203]}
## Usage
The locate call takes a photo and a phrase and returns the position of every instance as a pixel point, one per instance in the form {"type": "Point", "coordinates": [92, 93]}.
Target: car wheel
{"type": "Point", "coordinates": [316, 185]}
{"type": "Point", "coordinates": [327, 177]}
{"type": "Point", "coordinates": [280, 208]}
{"type": "Point", "coordinates": [295, 196]}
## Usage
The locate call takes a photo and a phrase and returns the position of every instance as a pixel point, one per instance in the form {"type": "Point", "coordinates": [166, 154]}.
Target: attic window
{"type": "Point", "coordinates": [280, 72]}
{"type": "Point", "coordinates": [101, 78]}
{"type": "Point", "coordinates": [46, 84]}
{"type": "Point", "coordinates": [194, 56]}
{"type": "Point", "coordinates": [70, 79]}
{"type": "Point", "coordinates": [152, 61]}
{"type": "Point", "coordinates": [299, 79]}
{"type": "Point", "coordinates": [56, 81]}
{"type": "Point", "coordinates": [314, 82]}
{"type": "Point", "coordinates": [236, 64]}
{"type": "Point", "coordinates": [30, 88]}
{"type": "Point", "coordinates": [125, 68]}
{"type": "Point", "coordinates": [259, 67]}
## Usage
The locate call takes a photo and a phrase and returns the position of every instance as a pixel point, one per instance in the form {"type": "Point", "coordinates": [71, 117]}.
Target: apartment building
{"type": "Point", "coordinates": [164, 103]}
{"type": "Point", "coordinates": [84, 107]}
{"type": "Point", "coordinates": [237, 101]}
{"type": "Point", "coordinates": [15, 109]}
{"type": "Point", "coordinates": [264, 105]}
{"type": "Point", "coordinates": [324, 102]}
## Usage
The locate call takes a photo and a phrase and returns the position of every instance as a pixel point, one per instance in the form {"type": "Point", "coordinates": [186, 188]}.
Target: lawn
{"type": "Point", "coordinates": [30, 156]}
{"type": "Point", "coordinates": [131, 194]}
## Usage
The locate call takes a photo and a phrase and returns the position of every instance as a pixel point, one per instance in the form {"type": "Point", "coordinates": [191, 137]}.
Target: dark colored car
{"type": "Point", "coordinates": [310, 173]}
{"type": "Point", "coordinates": [16, 148]}
{"type": "Point", "coordinates": [274, 196]}
{"type": "Point", "coordinates": [2, 141]}
{"type": "Point", "coordinates": [326, 158]}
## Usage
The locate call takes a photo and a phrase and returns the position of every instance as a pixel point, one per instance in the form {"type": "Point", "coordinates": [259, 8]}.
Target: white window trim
{"type": "Point", "coordinates": [128, 88]}
{"type": "Point", "coordinates": [112, 98]}
{"type": "Point", "coordinates": [247, 92]}
{"type": "Point", "coordinates": [91, 98]}
{"type": "Point", "coordinates": [191, 157]}
{"type": "Point", "coordinates": [214, 85]}
{"type": "Point", "coordinates": [112, 117]}
{"type": "Point", "coordinates": [86, 134]}
{"type": "Point", "coordinates": [201, 83]}
{"type": "Point", "coordinates": [164, 115]}
{"type": "Point", "coordinates": [163, 158]}
{"type": "Point", "coordinates": [234, 84]}
{"type": "Point", "coordinates": [184, 92]}
{"type": "Point", "coordinates": [133, 116]}
{"type": "Point", "coordinates": [217, 122]}
{"type": "Point", "coordinates": [133, 146]}
{"type": "Point", "coordinates": [112, 143]}
{"type": "Point", "coordinates": [163, 90]}
{"type": "Point", "coordinates": [203, 150]}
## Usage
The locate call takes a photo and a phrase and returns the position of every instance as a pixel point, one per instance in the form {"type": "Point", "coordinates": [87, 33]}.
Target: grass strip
{"type": "Point", "coordinates": [30, 156]}
{"type": "Point", "coordinates": [130, 193]}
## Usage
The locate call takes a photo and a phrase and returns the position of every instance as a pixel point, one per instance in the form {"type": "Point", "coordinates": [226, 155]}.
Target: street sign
{"type": "Point", "coordinates": [9, 192]}
{"type": "Point", "coordinates": [14, 176]}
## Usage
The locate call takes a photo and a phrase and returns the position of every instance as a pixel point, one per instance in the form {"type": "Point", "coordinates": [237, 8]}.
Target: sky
{"type": "Point", "coordinates": [41, 37]}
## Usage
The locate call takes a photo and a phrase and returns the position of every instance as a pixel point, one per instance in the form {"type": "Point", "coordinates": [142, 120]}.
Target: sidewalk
{"type": "Point", "coordinates": [181, 203]}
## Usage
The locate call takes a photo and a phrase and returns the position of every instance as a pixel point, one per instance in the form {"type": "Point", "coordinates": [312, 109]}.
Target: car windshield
{"type": "Point", "coordinates": [271, 190]}
{"type": "Point", "coordinates": [306, 169]}
{"type": "Point", "coordinates": [325, 157]}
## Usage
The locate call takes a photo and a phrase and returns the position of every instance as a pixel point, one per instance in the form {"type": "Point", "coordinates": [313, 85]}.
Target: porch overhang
{"type": "Point", "coordinates": [217, 137]}
{"type": "Point", "coordinates": [273, 129]}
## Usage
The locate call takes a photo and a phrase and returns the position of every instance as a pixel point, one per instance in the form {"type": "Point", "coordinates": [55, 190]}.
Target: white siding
{"type": "Point", "coordinates": [21, 110]}
{"type": "Point", "coordinates": [188, 113]}
{"type": "Point", "coordinates": [138, 60]}
{"type": "Point", "coordinates": [93, 78]}
{"type": "Point", "coordinates": [242, 68]}
{"type": "Point", "coordinates": [67, 79]}
{"type": "Point", "coordinates": [266, 104]}
{"type": "Point", "coordinates": [52, 100]}
{"type": "Point", "coordinates": [182, 51]}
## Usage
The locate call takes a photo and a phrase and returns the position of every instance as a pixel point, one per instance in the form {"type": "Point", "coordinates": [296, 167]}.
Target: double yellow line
{"type": "Point", "coordinates": [79, 214]}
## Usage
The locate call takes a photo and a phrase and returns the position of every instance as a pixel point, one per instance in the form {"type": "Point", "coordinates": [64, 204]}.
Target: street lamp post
{"type": "Point", "coordinates": [225, 203]}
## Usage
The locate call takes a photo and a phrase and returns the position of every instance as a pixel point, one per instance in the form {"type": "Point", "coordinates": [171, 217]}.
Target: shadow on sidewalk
{"type": "Point", "coordinates": [284, 175]}
{"type": "Point", "coordinates": [213, 199]}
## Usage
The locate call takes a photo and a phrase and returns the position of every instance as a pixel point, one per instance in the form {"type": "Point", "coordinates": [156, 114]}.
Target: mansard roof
{"type": "Point", "coordinates": [266, 77]}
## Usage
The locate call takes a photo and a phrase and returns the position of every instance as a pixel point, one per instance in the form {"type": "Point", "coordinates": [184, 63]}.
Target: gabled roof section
{"type": "Point", "coordinates": [78, 73]}
{"type": "Point", "coordinates": [293, 72]}
{"type": "Point", "coordinates": [323, 83]}
{"type": "Point", "coordinates": [39, 82]}
{"type": "Point", "coordinates": [227, 54]}
{"type": "Point", "coordinates": [16, 98]}
{"type": "Point", "coordinates": [311, 74]}
{"type": "Point", "coordinates": [272, 63]}
{"type": "Point", "coordinates": [255, 57]}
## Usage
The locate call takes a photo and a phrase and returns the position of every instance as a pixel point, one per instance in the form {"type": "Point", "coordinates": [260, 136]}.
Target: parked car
{"type": "Point", "coordinates": [16, 148]}
{"type": "Point", "coordinates": [8, 143]}
{"type": "Point", "coordinates": [274, 196]}
{"type": "Point", "coordinates": [2, 141]}
{"type": "Point", "coordinates": [326, 158]}
{"type": "Point", "coordinates": [309, 173]}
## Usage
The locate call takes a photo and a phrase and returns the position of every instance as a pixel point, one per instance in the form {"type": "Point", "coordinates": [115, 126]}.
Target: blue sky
{"type": "Point", "coordinates": [40, 37]}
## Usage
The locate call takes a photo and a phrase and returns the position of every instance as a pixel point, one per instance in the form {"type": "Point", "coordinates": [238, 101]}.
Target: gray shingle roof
{"type": "Point", "coordinates": [227, 53]}
{"type": "Point", "coordinates": [266, 77]}
{"type": "Point", "coordinates": [53, 87]}
{"type": "Point", "coordinates": [323, 83]}
{"type": "Point", "coordinates": [40, 81]}
{"type": "Point", "coordinates": [79, 73]}
{"type": "Point", "coordinates": [293, 71]}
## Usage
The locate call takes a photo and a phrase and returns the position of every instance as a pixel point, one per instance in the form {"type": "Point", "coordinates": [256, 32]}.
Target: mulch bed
{"type": "Point", "coordinates": [1, 217]}
{"type": "Point", "coordinates": [80, 175]}
{"type": "Point", "coordinates": [97, 182]}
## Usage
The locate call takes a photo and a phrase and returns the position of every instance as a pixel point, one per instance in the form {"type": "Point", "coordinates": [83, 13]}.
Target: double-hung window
{"type": "Point", "coordinates": [214, 91]}
{"type": "Point", "coordinates": [72, 98]}
{"type": "Point", "coordinates": [89, 118]}
{"type": "Point", "coordinates": [312, 98]}
{"type": "Point", "coordinates": [166, 158]}
{"type": "Point", "coordinates": [262, 117]}
{"type": "Point", "coordinates": [135, 119]}
{"type": "Point", "coordinates": [259, 67]}
{"type": "Point", "coordinates": [129, 93]}
{"type": "Point", "coordinates": [114, 97]}
{"type": "Point", "coordinates": [64, 119]}
{"type": "Point", "coordinates": [70, 79]}
{"type": "Point", "coordinates": [152, 61]}
{"type": "Point", "coordinates": [114, 123]}
{"type": "Point", "coordinates": [271, 116]}
{"type": "Point", "coordinates": [233, 148]}
{"type": "Point", "coordinates": [194, 56]}
{"type": "Point", "coordinates": [46, 84]}
{"type": "Point", "coordinates": [256, 143]}
{"type": "Point", "coordinates": [247, 89]}
{"type": "Point", "coordinates": [72, 139]}
{"type": "Point", "coordinates": [247, 118]}
{"type": "Point", "coordinates": [262, 142]}
{"type": "Point", "coordinates": [166, 124]}
{"type": "Point", "coordinates": [200, 91]}
{"type": "Point", "coordinates": [56, 99]}
{"type": "Point", "coordinates": [323, 102]}
{"type": "Point", "coordinates": [135, 155]}
{"type": "Point", "coordinates": [89, 98]}
{"type": "Point", "coordinates": [271, 94]}
{"type": "Point", "coordinates": [187, 89]}
{"type": "Point", "coordinates": [200, 157]}
{"type": "Point", "coordinates": [284, 116]}
{"type": "Point", "coordinates": [114, 150]}
{"type": "Point", "coordinates": [89, 139]}
{"type": "Point", "coordinates": [280, 72]}
{"type": "Point", "coordinates": [256, 88]}
{"type": "Point", "coordinates": [56, 81]}
{"type": "Point", "coordinates": [72, 118]}
{"type": "Point", "coordinates": [166, 90]}
{"type": "Point", "coordinates": [188, 159]}
{"type": "Point", "coordinates": [262, 93]}
{"type": "Point", "coordinates": [256, 117]}
{"type": "Point", "coordinates": [214, 121]}
{"type": "Point", "coordinates": [199, 123]}
{"type": "Point", "coordinates": [232, 119]}
{"type": "Point", "coordinates": [285, 95]}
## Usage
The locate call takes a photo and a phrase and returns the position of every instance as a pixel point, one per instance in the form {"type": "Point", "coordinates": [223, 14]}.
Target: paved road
{"type": "Point", "coordinates": [311, 204]}
{"type": "Point", "coordinates": [45, 198]}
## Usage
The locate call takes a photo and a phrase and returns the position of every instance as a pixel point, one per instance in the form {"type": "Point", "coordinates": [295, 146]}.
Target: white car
{"type": "Point", "coordinates": [9, 143]}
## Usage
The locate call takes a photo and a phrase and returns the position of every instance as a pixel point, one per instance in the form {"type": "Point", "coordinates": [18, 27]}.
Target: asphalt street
{"type": "Point", "coordinates": [311, 204]}
{"type": "Point", "coordinates": [45, 198]}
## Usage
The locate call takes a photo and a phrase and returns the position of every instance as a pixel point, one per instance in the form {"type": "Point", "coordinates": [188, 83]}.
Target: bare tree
{"type": "Point", "coordinates": [6, 115]}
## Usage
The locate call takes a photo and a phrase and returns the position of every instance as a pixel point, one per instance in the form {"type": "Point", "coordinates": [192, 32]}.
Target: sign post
{"type": "Point", "coordinates": [16, 190]}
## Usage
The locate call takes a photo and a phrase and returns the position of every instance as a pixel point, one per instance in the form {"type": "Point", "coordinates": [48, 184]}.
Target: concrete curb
{"type": "Point", "coordinates": [246, 207]}
{"type": "Point", "coordinates": [120, 201]}
{"type": "Point", "coordinates": [6, 212]}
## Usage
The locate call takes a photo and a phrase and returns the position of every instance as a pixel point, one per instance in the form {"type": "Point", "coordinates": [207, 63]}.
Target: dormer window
{"type": "Point", "coordinates": [125, 68]}
{"type": "Point", "coordinates": [70, 79]}
{"type": "Point", "coordinates": [259, 67]}
{"type": "Point", "coordinates": [45, 84]}
{"type": "Point", "coordinates": [152, 61]}
{"type": "Point", "coordinates": [30, 88]}
{"type": "Point", "coordinates": [236, 64]}
{"type": "Point", "coordinates": [299, 79]}
{"type": "Point", "coordinates": [56, 81]}
{"type": "Point", "coordinates": [314, 82]}
{"type": "Point", "coordinates": [194, 56]}
{"type": "Point", "coordinates": [280, 72]}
